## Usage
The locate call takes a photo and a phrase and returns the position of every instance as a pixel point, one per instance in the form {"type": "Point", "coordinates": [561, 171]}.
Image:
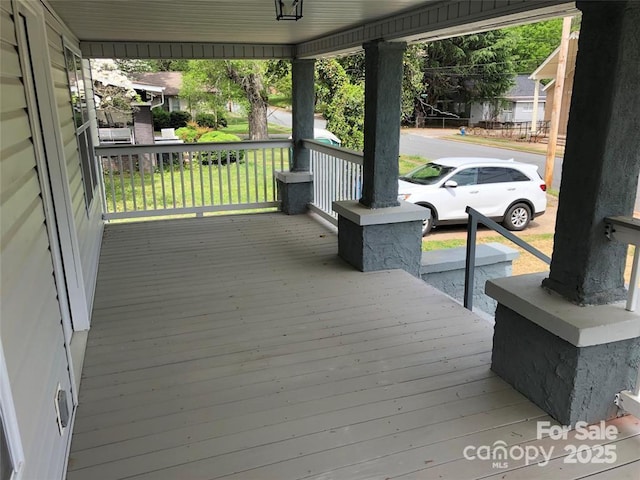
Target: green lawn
{"type": "Point", "coordinates": [240, 126]}
{"type": "Point", "coordinates": [279, 100]}
{"type": "Point", "coordinates": [409, 162]}
{"type": "Point", "coordinates": [194, 185]}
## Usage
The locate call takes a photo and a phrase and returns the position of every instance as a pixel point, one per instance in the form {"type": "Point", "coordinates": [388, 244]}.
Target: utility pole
{"type": "Point", "coordinates": [557, 101]}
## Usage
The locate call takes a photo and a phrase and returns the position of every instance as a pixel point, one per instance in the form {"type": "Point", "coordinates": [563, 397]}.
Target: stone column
{"type": "Point", "coordinates": [296, 187]}
{"type": "Point", "coordinates": [568, 346]}
{"type": "Point", "coordinates": [602, 155]}
{"type": "Point", "coordinates": [380, 232]}
{"type": "Point", "coordinates": [382, 99]}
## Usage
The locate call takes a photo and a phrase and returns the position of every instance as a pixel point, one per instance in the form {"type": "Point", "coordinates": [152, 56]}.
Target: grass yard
{"type": "Point", "coordinates": [191, 184]}
{"type": "Point", "coordinates": [240, 126]}
{"type": "Point", "coordinates": [409, 162]}
{"type": "Point", "coordinates": [525, 263]}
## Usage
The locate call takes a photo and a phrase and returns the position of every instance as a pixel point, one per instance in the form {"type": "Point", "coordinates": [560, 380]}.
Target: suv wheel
{"type": "Point", "coordinates": [427, 224]}
{"type": "Point", "coordinates": [517, 217]}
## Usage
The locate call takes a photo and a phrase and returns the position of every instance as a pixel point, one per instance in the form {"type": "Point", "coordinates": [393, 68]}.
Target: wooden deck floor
{"type": "Point", "coordinates": [242, 347]}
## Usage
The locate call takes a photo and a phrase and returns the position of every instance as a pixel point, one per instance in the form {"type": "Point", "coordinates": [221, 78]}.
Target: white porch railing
{"type": "Point", "coordinates": [152, 180]}
{"type": "Point", "coordinates": [337, 175]}
{"type": "Point", "coordinates": [627, 230]}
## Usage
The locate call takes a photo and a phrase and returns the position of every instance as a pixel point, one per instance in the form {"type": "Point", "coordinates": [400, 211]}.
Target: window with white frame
{"type": "Point", "coordinates": [527, 106]}
{"type": "Point", "coordinates": [79, 75]}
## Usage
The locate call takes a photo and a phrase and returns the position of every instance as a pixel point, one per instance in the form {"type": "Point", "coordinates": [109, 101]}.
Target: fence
{"type": "Point", "coordinates": [515, 130]}
{"type": "Point", "coordinates": [337, 175]}
{"type": "Point", "coordinates": [152, 180]}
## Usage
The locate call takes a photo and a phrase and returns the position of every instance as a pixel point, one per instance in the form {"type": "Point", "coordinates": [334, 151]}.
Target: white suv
{"type": "Point", "coordinates": [504, 190]}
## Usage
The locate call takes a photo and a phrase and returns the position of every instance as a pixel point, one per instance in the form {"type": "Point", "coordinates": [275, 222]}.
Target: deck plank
{"type": "Point", "coordinates": [243, 347]}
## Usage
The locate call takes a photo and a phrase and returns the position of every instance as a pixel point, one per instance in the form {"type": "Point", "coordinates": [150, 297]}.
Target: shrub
{"type": "Point", "coordinates": [161, 119]}
{"type": "Point", "coordinates": [187, 134]}
{"type": "Point", "coordinates": [211, 120]}
{"type": "Point", "coordinates": [192, 132]}
{"type": "Point", "coordinates": [179, 119]}
{"type": "Point", "coordinates": [220, 156]}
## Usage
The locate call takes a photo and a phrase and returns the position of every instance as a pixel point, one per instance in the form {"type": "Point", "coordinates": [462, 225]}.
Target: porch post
{"type": "Point", "coordinates": [379, 232]}
{"type": "Point", "coordinates": [296, 186]}
{"type": "Point", "coordinates": [568, 346]}
{"type": "Point", "coordinates": [382, 100]}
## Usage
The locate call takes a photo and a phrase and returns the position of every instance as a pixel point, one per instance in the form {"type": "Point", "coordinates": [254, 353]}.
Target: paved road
{"type": "Point", "coordinates": [283, 117]}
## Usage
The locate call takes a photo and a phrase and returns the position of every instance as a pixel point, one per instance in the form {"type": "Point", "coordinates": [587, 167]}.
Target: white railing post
{"type": "Point", "coordinates": [627, 230]}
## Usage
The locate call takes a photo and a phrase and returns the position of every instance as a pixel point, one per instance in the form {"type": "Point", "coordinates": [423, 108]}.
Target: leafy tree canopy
{"type": "Point", "coordinates": [534, 42]}
{"type": "Point", "coordinates": [470, 68]}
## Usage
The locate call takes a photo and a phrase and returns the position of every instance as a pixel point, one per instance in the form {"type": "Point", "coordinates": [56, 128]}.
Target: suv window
{"type": "Point", "coordinates": [468, 176]}
{"type": "Point", "coordinates": [501, 175]}
{"type": "Point", "coordinates": [427, 174]}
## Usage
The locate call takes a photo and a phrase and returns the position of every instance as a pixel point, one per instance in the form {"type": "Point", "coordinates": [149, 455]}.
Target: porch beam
{"type": "Point", "coordinates": [185, 50]}
{"type": "Point", "coordinates": [435, 21]}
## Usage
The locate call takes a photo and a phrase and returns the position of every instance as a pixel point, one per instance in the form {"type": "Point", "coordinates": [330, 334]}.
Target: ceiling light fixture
{"type": "Point", "coordinates": [288, 9]}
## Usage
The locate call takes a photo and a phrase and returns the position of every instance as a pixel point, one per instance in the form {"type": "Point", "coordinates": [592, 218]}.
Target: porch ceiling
{"type": "Point", "coordinates": [328, 26]}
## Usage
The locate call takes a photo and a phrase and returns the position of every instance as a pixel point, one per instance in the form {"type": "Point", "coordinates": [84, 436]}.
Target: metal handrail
{"type": "Point", "coordinates": [476, 217]}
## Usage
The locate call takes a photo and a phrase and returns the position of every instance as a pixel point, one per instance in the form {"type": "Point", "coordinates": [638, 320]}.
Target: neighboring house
{"type": "Point", "coordinates": [547, 70]}
{"type": "Point", "coordinates": [171, 82]}
{"type": "Point", "coordinates": [151, 96]}
{"type": "Point", "coordinates": [114, 126]}
{"type": "Point", "coordinates": [518, 105]}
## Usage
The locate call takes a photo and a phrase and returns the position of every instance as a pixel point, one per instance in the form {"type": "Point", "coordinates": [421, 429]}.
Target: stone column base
{"type": "Point", "coordinates": [380, 239]}
{"type": "Point", "coordinates": [569, 360]}
{"type": "Point", "coordinates": [295, 191]}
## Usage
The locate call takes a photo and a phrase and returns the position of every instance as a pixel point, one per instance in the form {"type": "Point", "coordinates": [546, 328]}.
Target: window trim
{"type": "Point", "coordinates": [90, 185]}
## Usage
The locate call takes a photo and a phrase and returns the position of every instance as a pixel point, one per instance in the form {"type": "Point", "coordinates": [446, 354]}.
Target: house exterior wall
{"type": "Point", "coordinates": [30, 315]}
{"type": "Point", "coordinates": [39, 166]}
{"type": "Point", "coordinates": [524, 113]}
{"type": "Point", "coordinates": [517, 113]}
{"type": "Point", "coordinates": [88, 222]}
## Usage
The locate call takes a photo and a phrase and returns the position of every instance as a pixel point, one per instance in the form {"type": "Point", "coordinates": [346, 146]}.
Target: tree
{"type": "Point", "coordinates": [247, 75]}
{"type": "Point", "coordinates": [240, 80]}
{"type": "Point", "coordinates": [203, 88]}
{"type": "Point", "coordinates": [112, 87]}
{"type": "Point", "coordinates": [534, 42]}
{"type": "Point", "coordinates": [330, 76]}
{"type": "Point", "coordinates": [345, 115]}
{"type": "Point", "coordinates": [462, 70]}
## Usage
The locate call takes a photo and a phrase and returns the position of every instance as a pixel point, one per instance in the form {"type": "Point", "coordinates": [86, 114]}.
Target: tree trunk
{"type": "Point", "coordinates": [252, 86]}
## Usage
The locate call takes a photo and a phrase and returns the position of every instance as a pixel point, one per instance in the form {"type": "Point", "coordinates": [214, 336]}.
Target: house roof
{"type": "Point", "coordinates": [549, 67]}
{"type": "Point", "coordinates": [171, 81]}
{"type": "Point", "coordinates": [523, 89]}
{"type": "Point", "coordinates": [148, 88]}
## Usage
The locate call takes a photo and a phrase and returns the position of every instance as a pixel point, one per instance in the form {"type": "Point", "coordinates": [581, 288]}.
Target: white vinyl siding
{"type": "Point", "coordinates": [88, 223]}
{"type": "Point", "coordinates": [31, 332]}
